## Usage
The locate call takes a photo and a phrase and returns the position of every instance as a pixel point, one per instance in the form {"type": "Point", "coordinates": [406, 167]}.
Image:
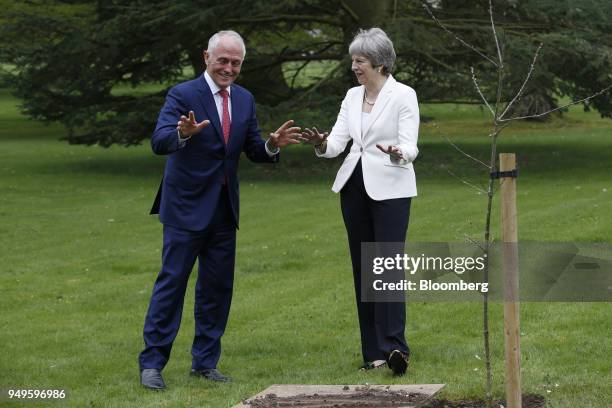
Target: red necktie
{"type": "Point", "coordinates": [225, 122]}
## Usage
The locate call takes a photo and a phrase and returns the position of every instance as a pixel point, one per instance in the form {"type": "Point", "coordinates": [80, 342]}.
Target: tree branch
{"type": "Point", "coordinates": [499, 53]}
{"type": "Point", "coordinates": [480, 92]}
{"type": "Point", "coordinates": [455, 101]}
{"type": "Point", "coordinates": [472, 23]}
{"type": "Point", "coordinates": [349, 11]}
{"type": "Point", "coordinates": [285, 17]}
{"type": "Point", "coordinates": [474, 242]}
{"type": "Point", "coordinates": [466, 154]}
{"type": "Point", "coordinates": [436, 60]}
{"type": "Point", "coordinates": [520, 91]}
{"type": "Point", "coordinates": [456, 36]}
{"type": "Point", "coordinates": [539, 115]}
{"type": "Point", "coordinates": [297, 72]}
{"type": "Point", "coordinates": [288, 58]}
{"type": "Point", "coordinates": [480, 190]}
{"type": "Point", "coordinates": [318, 84]}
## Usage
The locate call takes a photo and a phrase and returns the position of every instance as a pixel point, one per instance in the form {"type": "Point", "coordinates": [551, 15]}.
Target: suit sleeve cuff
{"type": "Point", "coordinates": [271, 152]}
{"type": "Point", "coordinates": [400, 160]}
{"type": "Point", "coordinates": [182, 141]}
{"type": "Point", "coordinates": [409, 153]}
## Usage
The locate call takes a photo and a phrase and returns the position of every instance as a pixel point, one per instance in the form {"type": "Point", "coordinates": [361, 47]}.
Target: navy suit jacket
{"type": "Point", "coordinates": [189, 191]}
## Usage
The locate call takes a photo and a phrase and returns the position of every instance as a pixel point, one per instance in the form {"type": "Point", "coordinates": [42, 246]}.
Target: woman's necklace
{"type": "Point", "coordinates": [365, 99]}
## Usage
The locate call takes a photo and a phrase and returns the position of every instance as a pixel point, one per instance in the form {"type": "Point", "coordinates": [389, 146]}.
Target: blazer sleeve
{"type": "Point", "coordinates": [408, 128]}
{"type": "Point", "coordinates": [165, 138]}
{"type": "Point", "coordinates": [339, 136]}
{"type": "Point", "coordinates": [254, 145]}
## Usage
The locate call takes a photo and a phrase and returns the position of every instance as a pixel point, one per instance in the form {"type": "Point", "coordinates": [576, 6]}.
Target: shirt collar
{"type": "Point", "coordinates": [214, 88]}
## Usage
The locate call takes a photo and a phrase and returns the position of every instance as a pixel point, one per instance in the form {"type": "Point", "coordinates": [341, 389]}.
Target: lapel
{"type": "Point", "coordinates": [383, 99]}
{"type": "Point", "coordinates": [208, 102]}
{"type": "Point", "coordinates": [354, 114]}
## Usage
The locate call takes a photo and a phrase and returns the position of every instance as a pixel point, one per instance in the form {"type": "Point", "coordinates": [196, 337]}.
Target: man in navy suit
{"type": "Point", "coordinates": [198, 204]}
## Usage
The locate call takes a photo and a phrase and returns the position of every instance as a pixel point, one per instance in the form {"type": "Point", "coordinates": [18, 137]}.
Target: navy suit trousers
{"type": "Point", "coordinates": [381, 324]}
{"type": "Point", "coordinates": [215, 249]}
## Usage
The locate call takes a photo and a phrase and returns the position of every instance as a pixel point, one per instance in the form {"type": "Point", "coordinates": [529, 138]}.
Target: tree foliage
{"type": "Point", "coordinates": [102, 67]}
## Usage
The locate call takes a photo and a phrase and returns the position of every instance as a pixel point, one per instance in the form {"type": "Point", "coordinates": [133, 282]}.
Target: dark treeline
{"type": "Point", "coordinates": [63, 59]}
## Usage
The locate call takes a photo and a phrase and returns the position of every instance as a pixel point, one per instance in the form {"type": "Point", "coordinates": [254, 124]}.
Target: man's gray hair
{"type": "Point", "coordinates": [214, 40]}
{"type": "Point", "coordinates": [376, 47]}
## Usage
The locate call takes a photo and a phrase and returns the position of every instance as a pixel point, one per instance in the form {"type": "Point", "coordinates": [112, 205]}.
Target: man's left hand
{"type": "Point", "coordinates": [285, 135]}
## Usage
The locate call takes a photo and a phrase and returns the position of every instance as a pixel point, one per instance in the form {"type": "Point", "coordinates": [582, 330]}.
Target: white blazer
{"type": "Point", "coordinates": [394, 120]}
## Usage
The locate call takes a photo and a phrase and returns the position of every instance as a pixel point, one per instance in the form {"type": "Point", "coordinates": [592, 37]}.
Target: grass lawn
{"type": "Point", "coordinates": [79, 256]}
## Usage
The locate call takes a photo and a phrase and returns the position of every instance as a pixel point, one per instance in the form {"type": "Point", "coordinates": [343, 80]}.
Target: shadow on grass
{"type": "Point", "coordinates": [300, 166]}
{"type": "Point", "coordinates": [539, 158]}
{"type": "Point", "coordinates": [135, 166]}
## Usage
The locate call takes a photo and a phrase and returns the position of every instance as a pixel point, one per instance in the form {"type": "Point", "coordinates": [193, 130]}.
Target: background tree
{"type": "Point", "coordinates": [102, 68]}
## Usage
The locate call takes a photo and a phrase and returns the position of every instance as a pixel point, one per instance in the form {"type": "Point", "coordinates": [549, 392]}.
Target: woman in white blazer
{"type": "Point", "coordinates": [376, 182]}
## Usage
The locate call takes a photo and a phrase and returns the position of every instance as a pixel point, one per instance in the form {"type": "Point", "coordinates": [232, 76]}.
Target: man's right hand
{"type": "Point", "coordinates": [188, 126]}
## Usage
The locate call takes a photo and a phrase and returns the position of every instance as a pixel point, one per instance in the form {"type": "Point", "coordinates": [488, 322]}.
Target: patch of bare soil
{"type": "Point", "coordinates": [529, 401]}
{"type": "Point", "coordinates": [361, 397]}
{"type": "Point", "coordinates": [366, 397]}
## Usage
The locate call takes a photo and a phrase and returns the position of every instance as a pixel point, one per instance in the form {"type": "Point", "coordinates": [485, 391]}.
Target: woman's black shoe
{"type": "Point", "coordinates": [398, 362]}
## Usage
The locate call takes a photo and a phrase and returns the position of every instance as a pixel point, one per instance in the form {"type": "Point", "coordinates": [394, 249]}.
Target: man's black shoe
{"type": "Point", "coordinates": [398, 362]}
{"type": "Point", "coordinates": [151, 378]}
{"type": "Point", "coordinates": [211, 374]}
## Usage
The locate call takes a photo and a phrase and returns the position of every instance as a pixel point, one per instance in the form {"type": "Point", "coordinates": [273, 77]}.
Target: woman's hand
{"type": "Point", "coordinates": [394, 152]}
{"type": "Point", "coordinates": [313, 137]}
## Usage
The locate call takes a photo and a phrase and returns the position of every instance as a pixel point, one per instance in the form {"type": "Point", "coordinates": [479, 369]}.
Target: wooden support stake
{"type": "Point", "coordinates": [507, 162]}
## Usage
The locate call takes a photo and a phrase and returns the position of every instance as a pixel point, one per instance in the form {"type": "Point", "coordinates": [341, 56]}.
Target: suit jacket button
{"type": "Point", "coordinates": [361, 149]}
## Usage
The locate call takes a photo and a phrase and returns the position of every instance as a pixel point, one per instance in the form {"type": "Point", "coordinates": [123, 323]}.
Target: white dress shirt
{"type": "Point", "coordinates": [214, 88]}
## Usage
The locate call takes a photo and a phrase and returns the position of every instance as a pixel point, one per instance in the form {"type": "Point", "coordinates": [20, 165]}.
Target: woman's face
{"type": "Point", "coordinates": [363, 69]}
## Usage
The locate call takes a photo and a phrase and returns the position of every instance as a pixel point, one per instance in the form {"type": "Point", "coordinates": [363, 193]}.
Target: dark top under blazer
{"type": "Point", "coordinates": [189, 191]}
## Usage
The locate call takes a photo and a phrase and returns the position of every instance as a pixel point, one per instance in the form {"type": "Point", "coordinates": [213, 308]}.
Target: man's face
{"type": "Point", "coordinates": [224, 62]}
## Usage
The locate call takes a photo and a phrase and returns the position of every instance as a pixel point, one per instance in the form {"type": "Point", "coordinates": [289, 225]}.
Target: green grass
{"type": "Point", "coordinates": [79, 256]}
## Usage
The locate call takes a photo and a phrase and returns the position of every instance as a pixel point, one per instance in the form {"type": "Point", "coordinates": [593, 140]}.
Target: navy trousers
{"type": "Point", "coordinates": [381, 324]}
{"type": "Point", "coordinates": [215, 250]}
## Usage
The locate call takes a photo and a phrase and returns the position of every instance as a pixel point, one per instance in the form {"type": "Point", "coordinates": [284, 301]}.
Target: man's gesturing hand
{"type": "Point", "coordinates": [188, 126]}
{"type": "Point", "coordinates": [285, 135]}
